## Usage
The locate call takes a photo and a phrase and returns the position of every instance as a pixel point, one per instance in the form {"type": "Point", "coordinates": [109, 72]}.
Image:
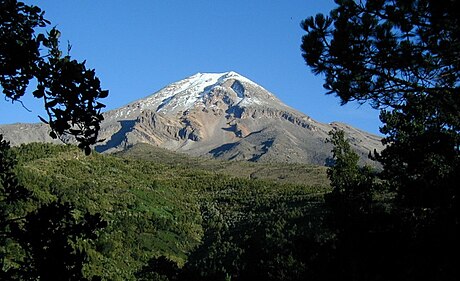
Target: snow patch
{"type": "Point", "coordinates": [192, 91]}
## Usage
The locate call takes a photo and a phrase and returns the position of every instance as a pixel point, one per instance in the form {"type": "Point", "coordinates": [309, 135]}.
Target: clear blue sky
{"type": "Point", "coordinates": [138, 47]}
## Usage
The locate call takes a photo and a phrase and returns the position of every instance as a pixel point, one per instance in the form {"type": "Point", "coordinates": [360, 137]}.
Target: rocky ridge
{"type": "Point", "coordinates": [219, 115]}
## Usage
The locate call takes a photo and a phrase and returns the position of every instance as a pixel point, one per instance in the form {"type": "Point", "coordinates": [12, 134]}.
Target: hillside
{"type": "Point", "coordinates": [224, 116]}
{"type": "Point", "coordinates": [168, 205]}
{"type": "Point", "coordinates": [294, 173]}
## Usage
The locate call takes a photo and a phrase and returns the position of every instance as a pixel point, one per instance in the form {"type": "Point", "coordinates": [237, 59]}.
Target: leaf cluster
{"type": "Point", "coordinates": [69, 90]}
{"type": "Point", "coordinates": [383, 51]}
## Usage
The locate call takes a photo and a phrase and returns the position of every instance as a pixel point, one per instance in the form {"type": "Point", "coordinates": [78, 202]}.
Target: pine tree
{"type": "Point", "coordinates": [403, 58]}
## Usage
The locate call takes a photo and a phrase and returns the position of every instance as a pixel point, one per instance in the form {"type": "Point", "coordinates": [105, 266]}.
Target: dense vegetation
{"type": "Point", "coordinates": [70, 217]}
{"type": "Point", "coordinates": [44, 239]}
{"type": "Point", "coordinates": [207, 223]}
{"type": "Point", "coordinates": [278, 172]}
{"type": "Point", "coordinates": [401, 57]}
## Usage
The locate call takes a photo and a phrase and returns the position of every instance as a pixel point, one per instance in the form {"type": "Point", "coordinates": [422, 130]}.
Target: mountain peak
{"type": "Point", "coordinates": [217, 77]}
{"type": "Point", "coordinates": [222, 115]}
{"type": "Point", "coordinates": [207, 91]}
{"type": "Point", "coordinates": [230, 73]}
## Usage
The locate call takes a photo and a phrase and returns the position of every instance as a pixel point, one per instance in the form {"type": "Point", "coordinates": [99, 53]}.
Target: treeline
{"type": "Point", "coordinates": [397, 56]}
{"type": "Point", "coordinates": [151, 221]}
{"type": "Point", "coordinates": [64, 216]}
{"type": "Point", "coordinates": [192, 219]}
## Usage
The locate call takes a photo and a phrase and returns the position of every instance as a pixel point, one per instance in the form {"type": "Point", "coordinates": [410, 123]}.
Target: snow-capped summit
{"type": "Point", "coordinates": [197, 91]}
{"type": "Point", "coordinates": [222, 115]}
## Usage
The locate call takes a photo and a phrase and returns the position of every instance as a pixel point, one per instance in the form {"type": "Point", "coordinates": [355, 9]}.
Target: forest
{"type": "Point", "coordinates": [193, 218]}
{"type": "Point", "coordinates": [67, 213]}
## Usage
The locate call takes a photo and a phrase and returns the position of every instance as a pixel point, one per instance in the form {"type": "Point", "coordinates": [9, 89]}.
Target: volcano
{"type": "Point", "coordinates": [219, 115]}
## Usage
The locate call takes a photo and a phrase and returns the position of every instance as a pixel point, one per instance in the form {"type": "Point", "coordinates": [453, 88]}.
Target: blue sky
{"type": "Point", "coordinates": [138, 47]}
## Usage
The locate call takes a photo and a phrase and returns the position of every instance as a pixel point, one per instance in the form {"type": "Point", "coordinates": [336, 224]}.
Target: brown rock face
{"type": "Point", "coordinates": [227, 116]}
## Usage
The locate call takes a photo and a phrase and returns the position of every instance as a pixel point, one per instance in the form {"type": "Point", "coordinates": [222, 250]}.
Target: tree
{"type": "Point", "coordinates": [70, 91]}
{"type": "Point", "coordinates": [11, 193]}
{"type": "Point", "coordinates": [386, 51]}
{"type": "Point", "coordinates": [402, 56]}
{"type": "Point", "coordinates": [352, 185]}
{"type": "Point", "coordinates": [351, 211]}
{"type": "Point", "coordinates": [159, 269]}
{"type": "Point", "coordinates": [49, 235]}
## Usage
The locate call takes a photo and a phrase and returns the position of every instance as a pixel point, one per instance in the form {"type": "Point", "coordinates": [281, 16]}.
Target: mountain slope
{"type": "Point", "coordinates": [159, 207]}
{"type": "Point", "coordinates": [290, 173]}
{"type": "Point", "coordinates": [224, 116]}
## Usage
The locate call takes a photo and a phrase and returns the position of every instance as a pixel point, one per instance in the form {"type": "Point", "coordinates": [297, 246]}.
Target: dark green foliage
{"type": "Point", "coordinates": [39, 237]}
{"type": "Point", "coordinates": [422, 160]}
{"type": "Point", "coordinates": [272, 243]}
{"type": "Point", "coordinates": [402, 57]}
{"type": "Point", "coordinates": [176, 211]}
{"type": "Point", "coordinates": [159, 269]}
{"type": "Point", "coordinates": [352, 186]}
{"type": "Point", "coordinates": [19, 47]}
{"type": "Point", "coordinates": [10, 190]}
{"type": "Point", "coordinates": [11, 194]}
{"type": "Point", "coordinates": [50, 237]}
{"type": "Point", "coordinates": [258, 231]}
{"type": "Point", "coordinates": [42, 244]}
{"type": "Point", "coordinates": [347, 178]}
{"type": "Point", "coordinates": [70, 92]}
{"type": "Point", "coordinates": [361, 228]}
{"type": "Point", "coordinates": [384, 51]}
